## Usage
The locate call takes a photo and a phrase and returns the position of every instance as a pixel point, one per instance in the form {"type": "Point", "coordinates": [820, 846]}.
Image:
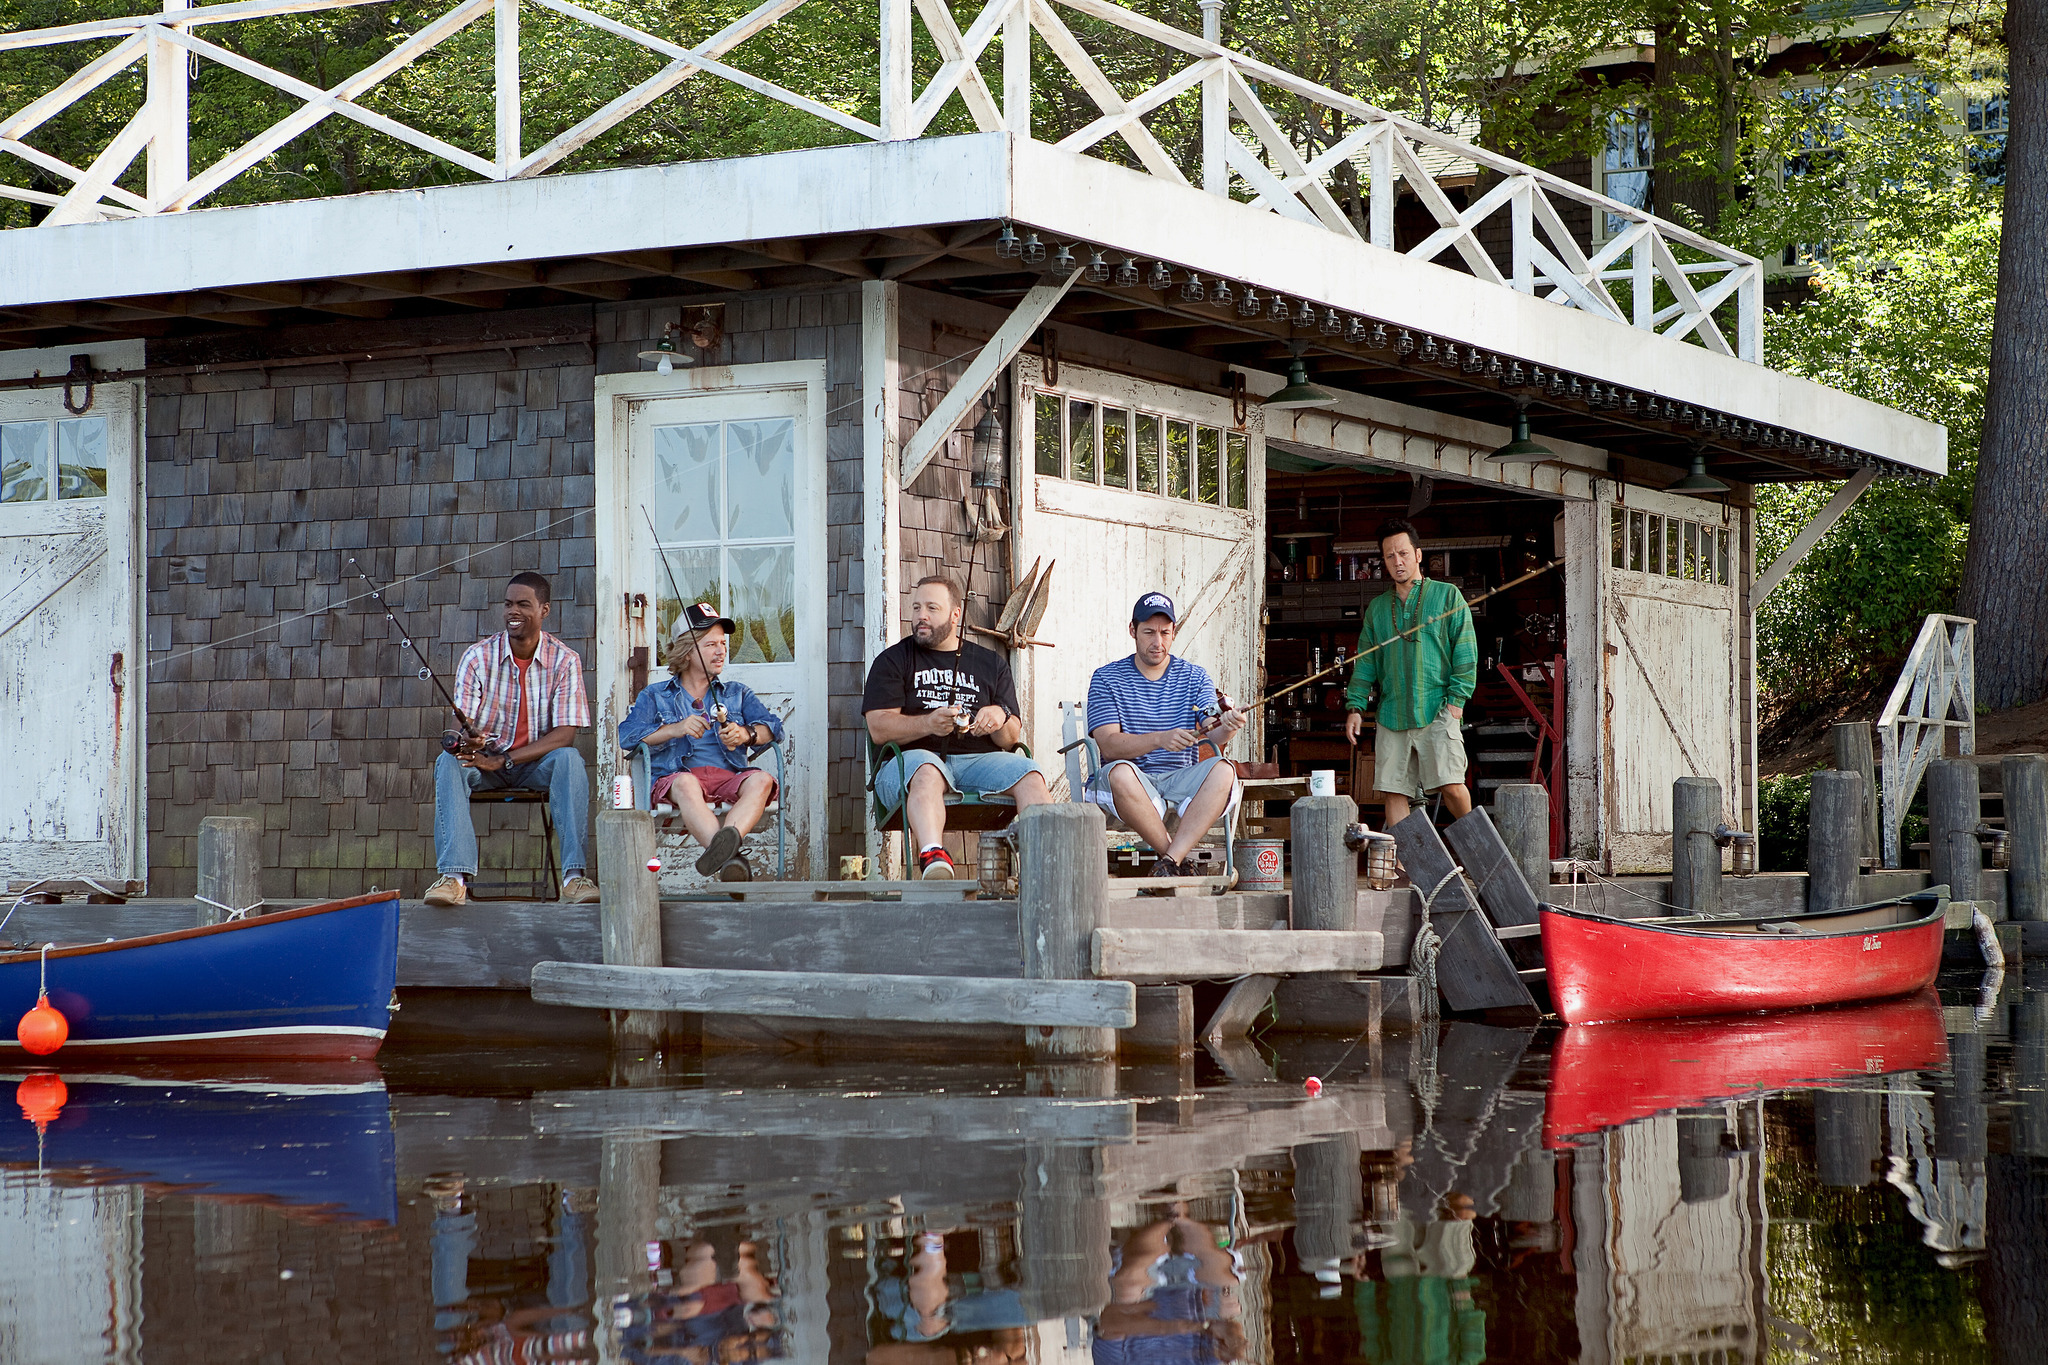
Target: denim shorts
{"type": "Point", "coordinates": [1176, 788]}
{"type": "Point", "coordinates": [987, 774]}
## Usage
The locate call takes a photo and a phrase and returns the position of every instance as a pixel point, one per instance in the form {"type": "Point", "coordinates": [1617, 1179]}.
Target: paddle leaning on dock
{"type": "Point", "coordinates": [311, 982]}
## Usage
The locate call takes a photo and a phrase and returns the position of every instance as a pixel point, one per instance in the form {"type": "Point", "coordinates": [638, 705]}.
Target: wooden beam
{"type": "Point", "coordinates": [831, 1115]}
{"type": "Point", "coordinates": [1240, 1009]}
{"type": "Point", "coordinates": [1803, 543]}
{"type": "Point", "coordinates": [1002, 347]}
{"type": "Point", "coordinates": [1188, 954]}
{"type": "Point", "coordinates": [838, 995]}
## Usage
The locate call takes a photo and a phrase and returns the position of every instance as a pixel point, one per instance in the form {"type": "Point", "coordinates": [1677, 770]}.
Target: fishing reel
{"type": "Point", "coordinates": [453, 741]}
{"type": "Point", "coordinates": [1210, 716]}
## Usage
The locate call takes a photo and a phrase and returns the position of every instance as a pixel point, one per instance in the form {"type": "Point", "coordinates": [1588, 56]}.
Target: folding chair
{"type": "Point", "coordinates": [966, 812]}
{"type": "Point", "coordinates": [667, 820]}
{"type": "Point", "coordinates": [546, 879]}
{"type": "Point", "coordinates": [1084, 762]}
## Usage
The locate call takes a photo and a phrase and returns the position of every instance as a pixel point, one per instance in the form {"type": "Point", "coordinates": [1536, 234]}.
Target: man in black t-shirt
{"type": "Point", "coordinates": [952, 707]}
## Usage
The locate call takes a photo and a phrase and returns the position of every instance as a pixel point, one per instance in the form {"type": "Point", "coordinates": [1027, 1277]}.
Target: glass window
{"type": "Point", "coordinates": [1208, 471]}
{"type": "Point", "coordinates": [1691, 568]}
{"type": "Point", "coordinates": [1178, 439]}
{"type": "Point", "coordinates": [82, 458]}
{"type": "Point", "coordinates": [1988, 122]}
{"type": "Point", "coordinates": [1148, 453]}
{"type": "Point", "coordinates": [763, 579]}
{"type": "Point", "coordinates": [1625, 164]}
{"type": "Point", "coordinates": [1617, 534]}
{"type": "Point", "coordinates": [1635, 541]}
{"type": "Point", "coordinates": [1671, 562]}
{"type": "Point", "coordinates": [686, 491]}
{"type": "Point", "coordinates": [1045, 437]}
{"type": "Point", "coordinates": [696, 573]}
{"type": "Point", "coordinates": [24, 461]}
{"type": "Point", "coordinates": [1721, 557]}
{"type": "Point", "coordinates": [1653, 547]}
{"type": "Point", "coordinates": [735, 552]}
{"type": "Point", "coordinates": [1081, 442]}
{"type": "Point", "coordinates": [760, 460]}
{"type": "Point", "coordinates": [1116, 447]}
{"type": "Point", "coordinates": [1238, 466]}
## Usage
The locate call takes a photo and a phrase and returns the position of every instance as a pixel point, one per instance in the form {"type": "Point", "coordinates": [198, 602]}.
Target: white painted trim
{"type": "Point", "coordinates": [614, 515]}
{"type": "Point", "coordinates": [1810, 536]}
{"type": "Point", "coordinates": [289, 1031]}
{"type": "Point", "coordinates": [981, 372]}
{"type": "Point", "coordinates": [881, 538]}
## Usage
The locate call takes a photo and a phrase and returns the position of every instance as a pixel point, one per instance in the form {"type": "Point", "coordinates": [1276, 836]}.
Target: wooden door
{"type": "Point", "coordinates": [70, 674]}
{"type": "Point", "coordinates": [732, 480]}
{"type": "Point", "coordinates": [1134, 487]}
{"type": "Point", "coordinates": [1674, 690]}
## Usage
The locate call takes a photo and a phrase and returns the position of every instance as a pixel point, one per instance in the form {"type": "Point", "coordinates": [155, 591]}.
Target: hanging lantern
{"type": "Point", "coordinates": [988, 450]}
{"type": "Point", "coordinates": [1380, 872]}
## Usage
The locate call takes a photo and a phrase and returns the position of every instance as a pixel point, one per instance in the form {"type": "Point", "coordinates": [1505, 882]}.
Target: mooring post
{"type": "Point", "coordinates": [1695, 857]}
{"type": "Point", "coordinates": [629, 916]}
{"type": "Point", "coordinates": [1062, 887]}
{"type": "Point", "coordinates": [1834, 839]}
{"type": "Point", "coordinates": [230, 865]}
{"type": "Point", "coordinates": [1063, 1227]}
{"type": "Point", "coordinates": [1325, 871]}
{"type": "Point", "coordinates": [2025, 779]}
{"type": "Point", "coordinates": [1856, 753]}
{"type": "Point", "coordinates": [628, 1208]}
{"type": "Point", "coordinates": [1329, 1199]}
{"type": "Point", "coordinates": [1952, 815]}
{"type": "Point", "coordinates": [1521, 812]}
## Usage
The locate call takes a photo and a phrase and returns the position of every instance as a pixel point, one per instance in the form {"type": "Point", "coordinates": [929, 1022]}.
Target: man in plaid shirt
{"type": "Point", "coordinates": [524, 689]}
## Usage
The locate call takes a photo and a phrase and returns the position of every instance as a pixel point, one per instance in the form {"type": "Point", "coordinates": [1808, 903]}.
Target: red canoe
{"type": "Point", "coordinates": [1601, 968]}
{"type": "Point", "coordinates": [1602, 1075]}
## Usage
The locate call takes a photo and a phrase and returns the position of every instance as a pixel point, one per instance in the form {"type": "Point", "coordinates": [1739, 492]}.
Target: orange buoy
{"type": "Point", "coordinates": [41, 1097]}
{"type": "Point", "coordinates": [43, 1029]}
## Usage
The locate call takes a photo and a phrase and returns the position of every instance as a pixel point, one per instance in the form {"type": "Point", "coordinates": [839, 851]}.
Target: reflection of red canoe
{"type": "Point", "coordinates": [1602, 968]}
{"type": "Point", "coordinates": [1607, 1074]}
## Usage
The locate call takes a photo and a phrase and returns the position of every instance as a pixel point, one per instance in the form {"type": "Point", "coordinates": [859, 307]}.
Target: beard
{"type": "Point", "coordinates": [924, 632]}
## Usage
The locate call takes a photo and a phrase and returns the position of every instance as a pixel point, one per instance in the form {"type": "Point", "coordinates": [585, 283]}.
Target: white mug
{"type": "Point", "coordinates": [1322, 782]}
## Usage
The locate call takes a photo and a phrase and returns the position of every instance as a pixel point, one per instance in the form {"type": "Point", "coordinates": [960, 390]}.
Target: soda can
{"type": "Point", "coordinates": [622, 792]}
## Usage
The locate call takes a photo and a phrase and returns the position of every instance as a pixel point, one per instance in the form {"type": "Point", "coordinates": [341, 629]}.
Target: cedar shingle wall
{"type": "Point", "coordinates": [269, 698]}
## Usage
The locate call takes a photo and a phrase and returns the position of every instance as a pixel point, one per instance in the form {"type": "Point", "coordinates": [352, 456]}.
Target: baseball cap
{"type": "Point", "coordinates": [701, 616]}
{"type": "Point", "coordinates": [1153, 604]}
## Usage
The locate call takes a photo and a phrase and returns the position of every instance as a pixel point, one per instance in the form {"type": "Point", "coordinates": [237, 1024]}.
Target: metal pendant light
{"type": "Point", "coordinates": [666, 354]}
{"type": "Point", "coordinates": [1523, 449]}
{"type": "Point", "coordinates": [1698, 480]}
{"type": "Point", "coordinates": [1299, 393]}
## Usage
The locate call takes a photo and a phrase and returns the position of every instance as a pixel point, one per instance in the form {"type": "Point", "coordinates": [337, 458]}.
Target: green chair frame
{"type": "Point", "coordinates": [641, 761]}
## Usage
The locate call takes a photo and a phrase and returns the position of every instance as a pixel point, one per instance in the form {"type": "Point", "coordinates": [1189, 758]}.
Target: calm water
{"type": "Point", "coordinates": [1654, 1195]}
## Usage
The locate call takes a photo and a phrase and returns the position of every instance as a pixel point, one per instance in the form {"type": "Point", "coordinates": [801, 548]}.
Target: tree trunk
{"type": "Point", "coordinates": [2009, 515]}
{"type": "Point", "coordinates": [1691, 115]}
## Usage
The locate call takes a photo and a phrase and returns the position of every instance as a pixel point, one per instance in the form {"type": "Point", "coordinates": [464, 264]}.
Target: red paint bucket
{"type": "Point", "coordinates": [1261, 865]}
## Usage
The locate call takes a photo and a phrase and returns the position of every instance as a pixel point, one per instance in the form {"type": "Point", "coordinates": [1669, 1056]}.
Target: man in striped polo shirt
{"type": "Point", "coordinates": [1149, 715]}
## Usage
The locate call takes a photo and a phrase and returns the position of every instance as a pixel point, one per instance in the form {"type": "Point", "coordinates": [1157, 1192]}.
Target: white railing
{"type": "Point", "coordinates": [1936, 693]}
{"type": "Point", "coordinates": [1244, 149]}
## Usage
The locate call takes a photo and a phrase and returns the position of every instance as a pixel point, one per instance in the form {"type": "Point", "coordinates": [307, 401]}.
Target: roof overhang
{"type": "Point", "coordinates": [925, 212]}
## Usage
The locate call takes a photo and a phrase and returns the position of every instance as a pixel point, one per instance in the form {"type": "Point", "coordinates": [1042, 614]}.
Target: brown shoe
{"type": "Point", "coordinates": [580, 891]}
{"type": "Point", "coordinates": [737, 870]}
{"type": "Point", "coordinates": [447, 892]}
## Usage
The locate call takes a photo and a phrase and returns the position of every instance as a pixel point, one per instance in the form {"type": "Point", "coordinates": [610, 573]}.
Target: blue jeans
{"type": "Point", "coordinates": [558, 772]}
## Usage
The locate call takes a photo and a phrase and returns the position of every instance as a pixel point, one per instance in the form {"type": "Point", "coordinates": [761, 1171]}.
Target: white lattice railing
{"type": "Point", "coordinates": [1936, 693]}
{"type": "Point", "coordinates": [1244, 148]}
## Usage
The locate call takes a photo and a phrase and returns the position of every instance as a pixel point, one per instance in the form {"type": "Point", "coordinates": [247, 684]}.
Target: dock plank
{"type": "Point", "coordinates": [1186, 954]}
{"type": "Point", "coordinates": [814, 1114]}
{"type": "Point", "coordinates": [901, 938]}
{"type": "Point", "coordinates": [839, 995]}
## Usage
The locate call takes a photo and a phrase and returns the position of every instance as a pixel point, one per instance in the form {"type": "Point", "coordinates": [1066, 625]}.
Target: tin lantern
{"type": "Point", "coordinates": [1742, 849]}
{"type": "Point", "coordinates": [993, 865]}
{"type": "Point", "coordinates": [1997, 846]}
{"type": "Point", "coordinates": [1380, 873]}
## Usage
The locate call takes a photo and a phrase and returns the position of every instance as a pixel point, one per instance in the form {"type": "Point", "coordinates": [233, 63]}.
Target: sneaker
{"type": "Point", "coordinates": [1163, 866]}
{"type": "Point", "coordinates": [580, 891]}
{"type": "Point", "coordinates": [719, 851]}
{"type": "Point", "coordinates": [449, 891]}
{"type": "Point", "coordinates": [935, 865]}
{"type": "Point", "coordinates": [736, 871]}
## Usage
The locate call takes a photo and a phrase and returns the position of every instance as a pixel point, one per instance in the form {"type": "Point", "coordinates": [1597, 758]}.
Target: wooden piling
{"type": "Point", "coordinates": [2025, 780]}
{"type": "Point", "coordinates": [1848, 1136]}
{"type": "Point", "coordinates": [1325, 871]}
{"type": "Point", "coordinates": [629, 917]}
{"type": "Point", "coordinates": [1521, 811]}
{"type": "Point", "coordinates": [1695, 858]}
{"type": "Point", "coordinates": [1834, 839]}
{"type": "Point", "coordinates": [230, 865]}
{"type": "Point", "coordinates": [1063, 1225]}
{"type": "Point", "coordinates": [628, 1205]}
{"type": "Point", "coordinates": [1062, 888]}
{"type": "Point", "coordinates": [1952, 815]}
{"type": "Point", "coordinates": [2030, 1073]}
{"type": "Point", "coordinates": [1329, 1199]}
{"type": "Point", "coordinates": [1856, 753]}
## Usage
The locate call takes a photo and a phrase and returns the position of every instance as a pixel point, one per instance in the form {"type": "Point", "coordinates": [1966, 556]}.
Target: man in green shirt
{"type": "Point", "coordinates": [1424, 679]}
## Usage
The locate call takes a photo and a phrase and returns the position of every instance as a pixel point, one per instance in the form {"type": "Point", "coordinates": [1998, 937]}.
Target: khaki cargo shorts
{"type": "Point", "coordinates": [1413, 763]}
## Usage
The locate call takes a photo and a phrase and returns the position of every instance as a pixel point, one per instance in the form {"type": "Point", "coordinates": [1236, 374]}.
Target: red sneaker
{"type": "Point", "coordinates": [935, 865]}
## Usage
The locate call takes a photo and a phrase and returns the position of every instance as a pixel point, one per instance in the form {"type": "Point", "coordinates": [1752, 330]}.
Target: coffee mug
{"type": "Point", "coordinates": [1322, 782]}
{"type": "Point", "coordinates": [853, 867]}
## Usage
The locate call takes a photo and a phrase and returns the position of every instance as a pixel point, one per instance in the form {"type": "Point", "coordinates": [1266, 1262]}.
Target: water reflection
{"type": "Point", "coordinates": [1859, 1186]}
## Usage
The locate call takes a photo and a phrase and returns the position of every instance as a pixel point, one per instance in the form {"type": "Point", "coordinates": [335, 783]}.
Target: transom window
{"type": "Point", "coordinates": [724, 510]}
{"type": "Point", "coordinates": [1146, 452]}
{"type": "Point", "coordinates": [1670, 547]}
{"type": "Point", "coordinates": [53, 460]}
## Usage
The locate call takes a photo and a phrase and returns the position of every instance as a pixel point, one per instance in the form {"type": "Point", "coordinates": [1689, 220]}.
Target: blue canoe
{"type": "Point", "coordinates": [312, 982]}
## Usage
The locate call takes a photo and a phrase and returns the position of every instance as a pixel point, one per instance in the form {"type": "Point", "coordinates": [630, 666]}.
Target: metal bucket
{"type": "Point", "coordinates": [1261, 865]}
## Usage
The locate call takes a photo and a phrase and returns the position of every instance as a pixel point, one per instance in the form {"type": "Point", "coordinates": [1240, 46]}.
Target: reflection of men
{"type": "Point", "coordinates": [952, 707]}
{"type": "Point", "coordinates": [1424, 678]}
{"type": "Point", "coordinates": [699, 729]}
{"type": "Point", "coordinates": [524, 689]}
{"type": "Point", "coordinates": [1146, 715]}
{"type": "Point", "coordinates": [1173, 1297]}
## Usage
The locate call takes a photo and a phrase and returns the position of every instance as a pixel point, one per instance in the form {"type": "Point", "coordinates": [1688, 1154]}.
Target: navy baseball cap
{"type": "Point", "coordinates": [1153, 604]}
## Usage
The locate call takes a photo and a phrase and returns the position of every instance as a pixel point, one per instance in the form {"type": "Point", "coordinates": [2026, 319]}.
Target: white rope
{"type": "Point", "coordinates": [232, 913]}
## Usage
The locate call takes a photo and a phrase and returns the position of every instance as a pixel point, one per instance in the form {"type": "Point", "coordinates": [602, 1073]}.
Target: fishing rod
{"type": "Point", "coordinates": [1271, 697]}
{"type": "Point", "coordinates": [714, 689]}
{"type": "Point", "coordinates": [451, 740]}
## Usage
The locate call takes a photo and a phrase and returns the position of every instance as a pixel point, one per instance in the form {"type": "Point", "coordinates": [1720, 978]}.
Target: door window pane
{"type": "Point", "coordinates": [24, 461]}
{"type": "Point", "coordinates": [1148, 453]}
{"type": "Point", "coordinates": [1116, 448]}
{"type": "Point", "coordinates": [1045, 435]}
{"type": "Point", "coordinates": [1081, 442]}
{"type": "Point", "coordinates": [1653, 549]}
{"type": "Point", "coordinates": [82, 458]}
{"type": "Point", "coordinates": [1617, 534]}
{"type": "Point", "coordinates": [1635, 541]}
{"type": "Point", "coordinates": [686, 497]}
{"type": "Point", "coordinates": [760, 466]}
{"type": "Point", "coordinates": [1691, 569]}
{"type": "Point", "coordinates": [1671, 547]}
{"type": "Point", "coordinates": [1237, 473]}
{"type": "Point", "coordinates": [1177, 443]}
{"type": "Point", "coordinates": [1722, 575]}
{"type": "Point", "coordinates": [1208, 471]}
{"type": "Point", "coordinates": [695, 576]}
{"type": "Point", "coordinates": [763, 581]}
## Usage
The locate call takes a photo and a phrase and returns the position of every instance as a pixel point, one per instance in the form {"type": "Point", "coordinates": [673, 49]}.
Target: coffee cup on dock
{"type": "Point", "coordinates": [1322, 782]}
{"type": "Point", "coordinates": [853, 867]}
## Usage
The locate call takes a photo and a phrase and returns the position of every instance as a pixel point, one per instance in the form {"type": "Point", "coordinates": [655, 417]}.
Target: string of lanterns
{"type": "Point", "coordinates": [1528, 382]}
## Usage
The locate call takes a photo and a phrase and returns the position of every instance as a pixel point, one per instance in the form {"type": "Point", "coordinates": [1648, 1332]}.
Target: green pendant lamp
{"type": "Point", "coordinates": [1523, 449]}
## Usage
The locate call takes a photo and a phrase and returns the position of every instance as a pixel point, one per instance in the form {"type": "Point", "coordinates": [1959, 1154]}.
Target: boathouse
{"type": "Point", "coordinates": [209, 412]}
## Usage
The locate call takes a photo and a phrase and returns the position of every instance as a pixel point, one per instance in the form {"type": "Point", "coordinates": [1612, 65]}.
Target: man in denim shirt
{"type": "Point", "coordinates": [700, 729]}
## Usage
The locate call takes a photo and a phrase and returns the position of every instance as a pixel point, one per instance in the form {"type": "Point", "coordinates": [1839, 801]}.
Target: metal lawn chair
{"type": "Point", "coordinates": [667, 820]}
{"type": "Point", "coordinates": [1084, 762]}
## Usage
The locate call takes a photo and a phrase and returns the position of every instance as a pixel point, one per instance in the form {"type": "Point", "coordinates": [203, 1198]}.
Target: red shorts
{"type": "Point", "coordinates": [721, 785]}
